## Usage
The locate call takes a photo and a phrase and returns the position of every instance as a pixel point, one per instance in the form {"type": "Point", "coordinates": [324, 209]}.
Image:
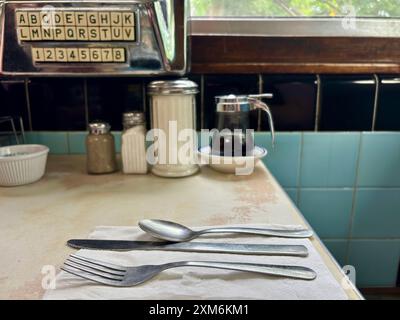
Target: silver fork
{"type": "Point", "coordinates": [119, 276]}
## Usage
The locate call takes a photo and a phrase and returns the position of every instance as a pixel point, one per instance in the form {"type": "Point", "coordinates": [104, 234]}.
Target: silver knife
{"type": "Point", "coordinates": [236, 248]}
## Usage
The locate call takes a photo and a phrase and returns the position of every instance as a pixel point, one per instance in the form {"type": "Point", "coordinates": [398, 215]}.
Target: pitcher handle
{"type": "Point", "coordinates": [263, 106]}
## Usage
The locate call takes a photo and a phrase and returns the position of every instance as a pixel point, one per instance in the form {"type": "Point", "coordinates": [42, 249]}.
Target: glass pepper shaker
{"type": "Point", "coordinates": [100, 146]}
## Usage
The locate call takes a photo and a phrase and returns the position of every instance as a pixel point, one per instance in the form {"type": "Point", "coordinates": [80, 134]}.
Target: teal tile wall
{"type": "Point", "coordinates": [329, 160]}
{"type": "Point", "coordinates": [377, 213]}
{"type": "Point", "coordinates": [380, 160]}
{"type": "Point", "coordinates": [56, 141]}
{"type": "Point", "coordinates": [284, 159]}
{"type": "Point", "coordinates": [376, 262]}
{"type": "Point", "coordinates": [330, 218]}
{"type": "Point", "coordinates": [348, 188]}
{"type": "Point", "coordinates": [292, 193]}
{"type": "Point", "coordinates": [76, 142]}
{"type": "Point", "coordinates": [346, 184]}
{"type": "Point", "coordinates": [338, 248]}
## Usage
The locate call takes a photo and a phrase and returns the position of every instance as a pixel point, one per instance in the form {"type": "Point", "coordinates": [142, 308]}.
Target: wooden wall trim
{"type": "Point", "coordinates": [232, 54]}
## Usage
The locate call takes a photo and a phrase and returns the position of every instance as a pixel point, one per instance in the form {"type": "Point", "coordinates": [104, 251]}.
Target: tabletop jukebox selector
{"type": "Point", "coordinates": [147, 37]}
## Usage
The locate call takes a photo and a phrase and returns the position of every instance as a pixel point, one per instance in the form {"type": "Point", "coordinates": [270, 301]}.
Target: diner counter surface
{"type": "Point", "coordinates": [38, 219]}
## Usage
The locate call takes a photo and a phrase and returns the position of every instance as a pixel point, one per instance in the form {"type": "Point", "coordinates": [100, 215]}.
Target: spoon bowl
{"type": "Point", "coordinates": [175, 232]}
{"type": "Point", "coordinates": [167, 230]}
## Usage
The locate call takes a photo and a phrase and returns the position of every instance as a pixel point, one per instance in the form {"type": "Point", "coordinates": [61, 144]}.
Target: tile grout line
{"type": "Point", "coordinates": [68, 147]}
{"type": "Point", "coordinates": [28, 103]}
{"type": "Point", "coordinates": [144, 98]}
{"type": "Point", "coordinates": [376, 101]}
{"type": "Point", "coordinates": [260, 91]}
{"type": "Point", "coordinates": [86, 101]}
{"type": "Point", "coordinates": [300, 159]}
{"type": "Point", "coordinates": [318, 103]}
{"type": "Point", "coordinates": [353, 206]}
{"type": "Point", "coordinates": [202, 120]}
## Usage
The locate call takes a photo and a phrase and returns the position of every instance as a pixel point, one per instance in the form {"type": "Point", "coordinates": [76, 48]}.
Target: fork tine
{"type": "Point", "coordinates": [95, 266]}
{"type": "Point", "coordinates": [93, 271]}
{"type": "Point", "coordinates": [89, 276]}
{"type": "Point", "coordinates": [100, 263]}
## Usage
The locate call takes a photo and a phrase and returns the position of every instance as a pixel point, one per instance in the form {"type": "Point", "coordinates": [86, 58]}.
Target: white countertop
{"type": "Point", "coordinates": [37, 219]}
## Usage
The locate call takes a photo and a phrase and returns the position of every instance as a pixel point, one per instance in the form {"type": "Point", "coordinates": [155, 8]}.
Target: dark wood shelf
{"type": "Point", "coordinates": [233, 54]}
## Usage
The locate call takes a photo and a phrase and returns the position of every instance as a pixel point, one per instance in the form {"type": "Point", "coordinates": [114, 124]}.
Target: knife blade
{"type": "Point", "coordinates": [235, 248]}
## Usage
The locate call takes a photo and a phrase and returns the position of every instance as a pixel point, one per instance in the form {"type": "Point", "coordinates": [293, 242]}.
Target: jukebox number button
{"type": "Point", "coordinates": [107, 55]}
{"type": "Point", "coordinates": [37, 54]}
{"type": "Point", "coordinates": [90, 55]}
{"type": "Point", "coordinates": [95, 55]}
{"type": "Point", "coordinates": [49, 54]}
{"type": "Point", "coordinates": [84, 55]}
{"type": "Point", "coordinates": [72, 55]}
{"type": "Point", "coordinates": [61, 55]}
{"type": "Point", "coordinates": [119, 54]}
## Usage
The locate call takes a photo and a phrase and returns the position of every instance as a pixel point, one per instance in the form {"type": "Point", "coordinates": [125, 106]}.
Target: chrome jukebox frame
{"type": "Point", "coordinates": [160, 46]}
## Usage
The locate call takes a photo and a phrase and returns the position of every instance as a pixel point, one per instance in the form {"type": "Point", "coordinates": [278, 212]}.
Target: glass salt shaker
{"type": "Point", "coordinates": [133, 149]}
{"type": "Point", "coordinates": [100, 146]}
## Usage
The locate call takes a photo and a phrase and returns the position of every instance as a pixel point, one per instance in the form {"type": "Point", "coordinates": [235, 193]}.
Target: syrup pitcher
{"type": "Point", "coordinates": [232, 121]}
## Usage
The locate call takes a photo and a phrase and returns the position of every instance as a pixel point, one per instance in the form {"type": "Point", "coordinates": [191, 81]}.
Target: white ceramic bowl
{"type": "Point", "coordinates": [22, 164]}
{"type": "Point", "coordinates": [238, 165]}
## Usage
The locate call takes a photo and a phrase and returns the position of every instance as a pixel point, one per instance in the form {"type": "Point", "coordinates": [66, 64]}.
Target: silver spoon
{"type": "Point", "coordinates": [171, 231]}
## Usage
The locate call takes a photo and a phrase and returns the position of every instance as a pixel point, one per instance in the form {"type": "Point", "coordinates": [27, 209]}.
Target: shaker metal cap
{"type": "Point", "coordinates": [166, 87]}
{"type": "Point", "coordinates": [133, 117]}
{"type": "Point", "coordinates": [99, 127]}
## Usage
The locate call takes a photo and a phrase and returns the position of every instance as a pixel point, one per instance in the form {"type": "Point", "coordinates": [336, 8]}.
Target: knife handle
{"type": "Point", "coordinates": [235, 248]}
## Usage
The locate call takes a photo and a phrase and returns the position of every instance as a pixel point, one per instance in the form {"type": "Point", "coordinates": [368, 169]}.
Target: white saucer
{"type": "Point", "coordinates": [241, 165]}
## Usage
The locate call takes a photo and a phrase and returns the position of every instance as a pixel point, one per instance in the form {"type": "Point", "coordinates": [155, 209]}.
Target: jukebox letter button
{"type": "Point", "coordinates": [70, 33]}
{"type": "Point", "coordinates": [21, 18]}
{"type": "Point", "coordinates": [81, 19]}
{"type": "Point", "coordinates": [59, 33]}
{"type": "Point", "coordinates": [24, 34]}
{"type": "Point", "coordinates": [35, 33]}
{"type": "Point", "coordinates": [47, 33]}
{"type": "Point", "coordinates": [94, 33]}
{"type": "Point", "coordinates": [58, 18]}
{"type": "Point", "coordinates": [104, 18]}
{"type": "Point", "coordinates": [82, 33]}
{"type": "Point", "coordinates": [116, 18]}
{"type": "Point", "coordinates": [116, 33]}
{"type": "Point", "coordinates": [128, 33]}
{"type": "Point", "coordinates": [105, 33]}
{"type": "Point", "coordinates": [69, 18]}
{"type": "Point", "coordinates": [93, 18]}
{"type": "Point", "coordinates": [34, 18]}
{"type": "Point", "coordinates": [128, 19]}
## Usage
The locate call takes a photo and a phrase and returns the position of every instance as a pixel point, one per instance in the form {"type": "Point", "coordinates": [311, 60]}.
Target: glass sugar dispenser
{"type": "Point", "coordinates": [133, 148]}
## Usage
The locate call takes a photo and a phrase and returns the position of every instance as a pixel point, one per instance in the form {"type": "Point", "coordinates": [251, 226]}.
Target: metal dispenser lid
{"type": "Point", "coordinates": [167, 87]}
{"type": "Point", "coordinates": [237, 103]}
{"type": "Point", "coordinates": [99, 127]}
{"type": "Point", "coordinates": [133, 118]}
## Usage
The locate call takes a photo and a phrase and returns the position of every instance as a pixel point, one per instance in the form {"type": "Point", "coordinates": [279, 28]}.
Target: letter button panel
{"type": "Point", "coordinates": [69, 35]}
